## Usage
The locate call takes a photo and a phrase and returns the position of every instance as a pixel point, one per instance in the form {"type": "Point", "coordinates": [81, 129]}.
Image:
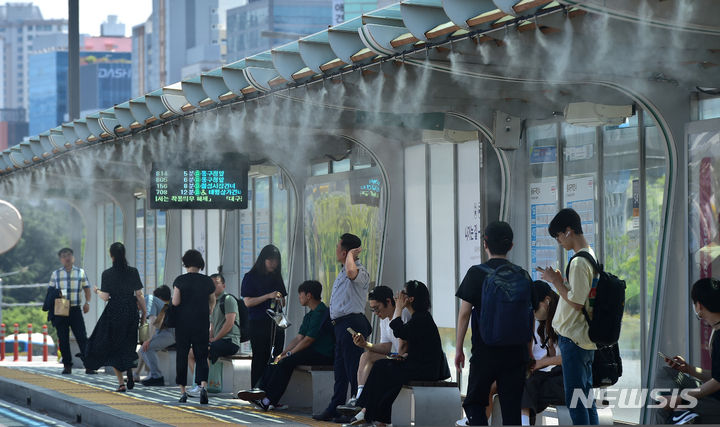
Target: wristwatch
{"type": "Point", "coordinates": [289, 353]}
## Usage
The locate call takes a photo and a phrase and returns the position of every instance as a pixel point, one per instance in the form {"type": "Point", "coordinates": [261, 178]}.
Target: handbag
{"type": "Point", "coordinates": [143, 332]}
{"type": "Point", "coordinates": [62, 306]}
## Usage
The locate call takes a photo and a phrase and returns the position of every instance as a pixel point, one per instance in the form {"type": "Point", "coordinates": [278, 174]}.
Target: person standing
{"type": "Point", "coordinates": [578, 351]}
{"type": "Point", "coordinates": [262, 287]}
{"type": "Point", "coordinates": [72, 282]}
{"type": "Point", "coordinates": [347, 307]}
{"type": "Point", "coordinates": [193, 294]}
{"type": "Point", "coordinates": [114, 338]}
{"type": "Point", "coordinates": [490, 362]}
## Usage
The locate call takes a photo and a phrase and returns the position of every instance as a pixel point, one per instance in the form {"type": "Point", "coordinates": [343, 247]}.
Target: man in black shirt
{"type": "Point", "coordinates": [505, 364]}
{"type": "Point", "coordinates": [705, 295]}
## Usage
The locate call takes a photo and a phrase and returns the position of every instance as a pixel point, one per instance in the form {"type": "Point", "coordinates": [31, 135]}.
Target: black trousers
{"type": "Point", "coordinates": [509, 372]}
{"type": "Point", "coordinates": [63, 325]}
{"type": "Point", "coordinates": [276, 377]}
{"type": "Point", "coordinates": [198, 340]}
{"type": "Point", "coordinates": [383, 386]}
{"type": "Point", "coordinates": [220, 348]}
{"type": "Point", "coordinates": [261, 343]}
{"type": "Point", "coordinates": [347, 357]}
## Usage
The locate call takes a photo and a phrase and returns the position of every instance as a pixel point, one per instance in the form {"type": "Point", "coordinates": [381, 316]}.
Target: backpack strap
{"type": "Point", "coordinates": [222, 309]}
{"type": "Point", "coordinates": [597, 267]}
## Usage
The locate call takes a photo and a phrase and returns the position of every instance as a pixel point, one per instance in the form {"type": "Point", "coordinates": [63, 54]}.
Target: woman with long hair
{"type": "Point", "coordinates": [263, 288]}
{"type": "Point", "coordinates": [114, 338]}
{"type": "Point", "coordinates": [425, 359]}
{"type": "Point", "coordinates": [544, 386]}
{"type": "Point", "coordinates": [193, 294]}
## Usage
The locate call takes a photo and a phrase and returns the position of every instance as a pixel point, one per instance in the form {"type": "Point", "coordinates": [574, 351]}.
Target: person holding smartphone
{"type": "Point", "coordinates": [705, 383]}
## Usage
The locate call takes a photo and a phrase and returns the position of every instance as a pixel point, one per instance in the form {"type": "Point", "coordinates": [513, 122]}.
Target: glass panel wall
{"type": "Point", "coordinates": [709, 108]}
{"type": "Point", "coordinates": [344, 202]}
{"type": "Point", "coordinates": [621, 237]}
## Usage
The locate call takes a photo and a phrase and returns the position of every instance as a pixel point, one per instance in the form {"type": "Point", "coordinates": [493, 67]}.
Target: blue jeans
{"type": "Point", "coordinates": [577, 374]}
{"type": "Point", "coordinates": [347, 358]}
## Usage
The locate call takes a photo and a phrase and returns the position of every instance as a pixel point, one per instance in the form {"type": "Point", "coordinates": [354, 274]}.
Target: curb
{"type": "Point", "coordinates": [80, 411]}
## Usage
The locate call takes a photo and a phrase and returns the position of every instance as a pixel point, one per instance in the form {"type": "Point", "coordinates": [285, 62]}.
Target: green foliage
{"type": "Point", "coordinates": [330, 214]}
{"type": "Point", "coordinates": [24, 315]}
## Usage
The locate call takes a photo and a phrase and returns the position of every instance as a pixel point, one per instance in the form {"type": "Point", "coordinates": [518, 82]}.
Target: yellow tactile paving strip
{"type": "Point", "coordinates": [174, 415]}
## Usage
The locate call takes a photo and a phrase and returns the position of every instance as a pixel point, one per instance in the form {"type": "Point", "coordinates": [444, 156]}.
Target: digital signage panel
{"type": "Point", "coordinates": [195, 184]}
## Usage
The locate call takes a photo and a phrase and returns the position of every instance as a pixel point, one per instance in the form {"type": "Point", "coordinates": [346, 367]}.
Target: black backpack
{"type": "Point", "coordinates": [241, 321]}
{"type": "Point", "coordinates": [608, 307]}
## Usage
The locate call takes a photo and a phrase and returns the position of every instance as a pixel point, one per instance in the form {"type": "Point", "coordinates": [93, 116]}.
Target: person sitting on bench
{"type": "Point", "coordinates": [314, 345]}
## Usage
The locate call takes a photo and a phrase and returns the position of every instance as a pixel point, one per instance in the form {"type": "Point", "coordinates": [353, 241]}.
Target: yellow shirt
{"type": "Point", "coordinates": [569, 322]}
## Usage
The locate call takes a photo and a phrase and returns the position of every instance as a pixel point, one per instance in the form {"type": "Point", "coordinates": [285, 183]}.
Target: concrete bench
{"type": "Point", "coordinates": [427, 403]}
{"type": "Point", "coordinates": [310, 387]}
{"type": "Point", "coordinates": [236, 372]}
{"type": "Point", "coordinates": [560, 415]}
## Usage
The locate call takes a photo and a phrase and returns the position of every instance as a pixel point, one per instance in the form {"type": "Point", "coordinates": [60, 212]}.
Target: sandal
{"type": "Point", "coordinates": [121, 389]}
{"type": "Point", "coordinates": [183, 398]}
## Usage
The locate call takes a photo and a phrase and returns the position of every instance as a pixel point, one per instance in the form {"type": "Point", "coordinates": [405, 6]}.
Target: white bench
{"type": "Point", "coordinates": [310, 387]}
{"type": "Point", "coordinates": [427, 403]}
{"type": "Point", "coordinates": [236, 372]}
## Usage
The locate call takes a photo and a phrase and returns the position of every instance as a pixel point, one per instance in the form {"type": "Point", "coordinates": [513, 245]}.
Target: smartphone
{"type": "Point", "coordinates": [538, 268]}
{"type": "Point", "coordinates": [351, 331]}
{"type": "Point", "coordinates": [664, 356]}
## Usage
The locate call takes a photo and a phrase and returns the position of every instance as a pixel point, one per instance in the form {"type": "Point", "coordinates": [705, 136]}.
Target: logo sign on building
{"type": "Point", "coordinates": [338, 12]}
{"type": "Point", "coordinates": [117, 72]}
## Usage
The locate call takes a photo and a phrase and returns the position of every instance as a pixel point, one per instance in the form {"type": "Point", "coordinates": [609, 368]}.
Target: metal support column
{"type": "Point", "coordinates": [73, 60]}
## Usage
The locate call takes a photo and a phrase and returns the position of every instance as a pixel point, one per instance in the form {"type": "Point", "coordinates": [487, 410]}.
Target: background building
{"type": "Point", "coordinates": [175, 42]}
{"type": "Point", "coordinates": [263, 24]}
{"type": "Point", "coordinates": [105, 77]}
{"type": "Point", "coordinates": [13, 127]}
{"type": "Point", "coordinates": [112, 27]}
{"type": "Point", "coordinates": [23, 30]}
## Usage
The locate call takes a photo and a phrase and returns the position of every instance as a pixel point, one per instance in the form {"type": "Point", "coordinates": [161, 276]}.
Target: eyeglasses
{"type": "Point", "coordinates": [375, 309]}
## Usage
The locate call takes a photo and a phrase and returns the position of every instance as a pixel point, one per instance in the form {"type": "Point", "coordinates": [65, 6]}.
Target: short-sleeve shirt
{"type": "Point", "coordinates": [315, 324]}
{"type": "Point", "coordinates": [154, 305]}
{"type": "Point", "coordinates": [218, 318]}
{"type": "Point", "coordinates": [193, 313]}
{"type": "Point", "coordinates": [71, 283]}
{"type": "Point", "coordinates": [349, 296]}
{"type": "Point", "coordinates": [715, 359]}
{"type": "Point", "coordinates": [121, 282]}
{"type": "Point", "coordinates": [569, 322]}
{"type": "Point", "coordinates": [386, 332]}
{"type": "Point", "coordinates": [470, 290]}
{"type": "Point", "coordinates": [256, 285]}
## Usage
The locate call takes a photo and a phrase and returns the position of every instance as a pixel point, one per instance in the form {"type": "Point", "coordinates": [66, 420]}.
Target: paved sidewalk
{"type": "Point", "coordinates": [91, 400]}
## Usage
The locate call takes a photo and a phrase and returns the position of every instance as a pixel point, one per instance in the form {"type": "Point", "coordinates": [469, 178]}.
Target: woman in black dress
{"type": "Point", "coordinates": [114, 338]}
{"type": "Point", "coordinates": [193, 294]}
{"type": "Point", "coordinates": [261, 288]}
{"type": "Point", "coordinates": [425, 357]}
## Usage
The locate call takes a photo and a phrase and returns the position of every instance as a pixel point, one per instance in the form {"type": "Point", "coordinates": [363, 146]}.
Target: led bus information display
{"type": "Point", "coordinates": [219, 184]}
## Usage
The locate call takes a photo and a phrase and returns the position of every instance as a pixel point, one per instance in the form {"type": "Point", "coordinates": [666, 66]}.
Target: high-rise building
{"type": "Point", "coordinates": [22, 31]}
{"type": "Point", "coordinates": [13, 127]}
{"type": "Point", "coordinates": [263, 24]}
{"type": "Point", "coordinates": [175, 42]}
{"type": "Point", "coordinates": [105, 78]}
{"type": "Point", "coordinates": [112, 27]}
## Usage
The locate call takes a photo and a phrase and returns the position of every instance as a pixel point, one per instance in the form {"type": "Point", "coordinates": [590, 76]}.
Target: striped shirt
{"type": "Point", "coordinates": [70, 283]}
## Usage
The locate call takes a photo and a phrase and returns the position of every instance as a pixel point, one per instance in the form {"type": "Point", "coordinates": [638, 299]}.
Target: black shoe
{"type": "Point", "coordinates": [67, 370]}
{"type": "Point", "coordinates": [343, 419]}
{"type": "Point", "coordinates": [324, 416]}
{"type": "Point", "coordinates": [203, 396]}
{"type": "Point", "coordinates": [251, 395]}
{"type": "Point", "coordinates": [350, 409]}
{"type": "Point", "coordinates": [90, 371]}
{"type": "Point", "coordinates": [260, 405]}
{"type": "Point", "coordinates": [183, 398]}
{"type": "Point", "coordinates": [130, 380]}
{"type": "Point", "coordinates": [148, 382]}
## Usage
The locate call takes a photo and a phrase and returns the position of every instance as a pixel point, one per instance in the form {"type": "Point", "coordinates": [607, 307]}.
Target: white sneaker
{"type": "Point", "coordinates": [195, 391]}
{"type": "Point", "coordinates": [462, 422]}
